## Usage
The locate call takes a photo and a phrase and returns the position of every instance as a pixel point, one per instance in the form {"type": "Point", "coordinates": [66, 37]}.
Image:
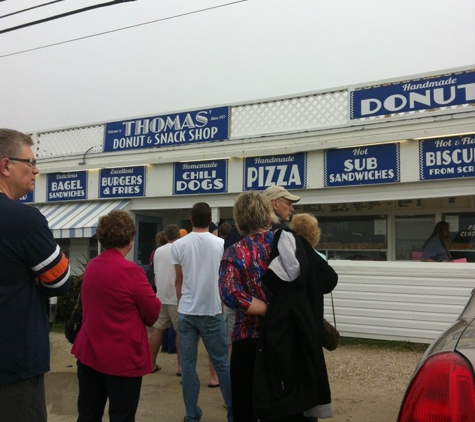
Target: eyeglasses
{"type": "Point", "coordinates": [289, 203]}
{"type": "Point", "coordinates": [30, 161]}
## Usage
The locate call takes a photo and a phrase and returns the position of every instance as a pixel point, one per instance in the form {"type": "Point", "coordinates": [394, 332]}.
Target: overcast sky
{"type": "Point", "coordinates": [171, 59]}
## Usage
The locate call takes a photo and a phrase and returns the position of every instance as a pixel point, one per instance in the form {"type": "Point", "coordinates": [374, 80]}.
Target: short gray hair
{"type": "Point", "coordinates": [11, 142]}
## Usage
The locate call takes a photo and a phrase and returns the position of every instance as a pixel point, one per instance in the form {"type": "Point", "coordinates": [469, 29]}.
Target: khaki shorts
{"type": "Point", "coordinates": [167, 318]}
{"type": "Point", "coordinates": [229, 318]}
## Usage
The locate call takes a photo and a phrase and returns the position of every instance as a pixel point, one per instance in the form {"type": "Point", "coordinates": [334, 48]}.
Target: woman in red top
{"type": "Point", "coordinates": [112, 346]}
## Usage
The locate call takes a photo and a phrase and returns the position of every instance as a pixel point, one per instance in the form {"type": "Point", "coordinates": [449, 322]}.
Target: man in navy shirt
{"type": "Point", "coordinates": [32, 269]}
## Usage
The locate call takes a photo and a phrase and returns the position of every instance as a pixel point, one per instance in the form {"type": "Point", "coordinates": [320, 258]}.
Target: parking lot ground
{"type": "Point", "coordinates": [367, 383]}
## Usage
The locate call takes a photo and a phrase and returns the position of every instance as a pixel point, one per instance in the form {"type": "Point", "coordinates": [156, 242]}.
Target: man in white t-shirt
{"type": "Point", "coordinates": [197, 258]}
{"type": "Point", "coordinates": [166, 292]}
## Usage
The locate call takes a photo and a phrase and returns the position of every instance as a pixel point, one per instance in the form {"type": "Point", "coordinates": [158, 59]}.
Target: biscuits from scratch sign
{"type": "Point", "coordinates": [447, 158]}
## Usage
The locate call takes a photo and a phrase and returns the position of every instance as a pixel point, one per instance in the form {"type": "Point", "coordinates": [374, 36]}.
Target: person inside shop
{"type": "Point", "coordinates": [112, 348]}
{"type": "Point", "coordinates": [435, 247]}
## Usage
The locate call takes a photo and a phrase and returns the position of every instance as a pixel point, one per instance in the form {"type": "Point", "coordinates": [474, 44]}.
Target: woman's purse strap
{"type": "Point", "coordinates": [333, 309]}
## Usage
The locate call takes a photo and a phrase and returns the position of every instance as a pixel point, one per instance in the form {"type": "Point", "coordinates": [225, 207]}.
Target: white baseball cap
{"type": "Point", "coordinates": [276, 192]}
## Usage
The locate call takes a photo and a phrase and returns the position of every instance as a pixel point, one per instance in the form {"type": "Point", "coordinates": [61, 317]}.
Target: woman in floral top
{"type": "Point", "coordinates": [241, 289]}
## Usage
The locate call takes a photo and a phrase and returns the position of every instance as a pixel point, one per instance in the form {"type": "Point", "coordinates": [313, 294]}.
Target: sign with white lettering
{"type": "Point", "coordinates": [367, 165]}
{"type": "Point", "coordinates": [447, 158]}
{"type": "Point", "coordinates": [66, 186]}
{"type": "Point", "coordinates": [420, 94]}
{"type": "Point", "coordinates": [29, 197]}
{"type": "Point", "coordinates": [200, 177]}
{"type": "Point", "coordinates": [122, 182]}
{"type": "Point", "coordinates": [168, 130]}
{"type": "Point", "coordinates": [289, 171]}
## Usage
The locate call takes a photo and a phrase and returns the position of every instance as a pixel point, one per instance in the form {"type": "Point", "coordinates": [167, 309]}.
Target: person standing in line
{"type": "Point", "coordinates": [282, 207]}
{"type": "Point", "coordinates": [282, 203]}
{"type": "Point", "coordinates": [213, 228]}
{"type": "Point", "coordinates": [166, 292]}
{"type": "Point", "coordinates": [112, 348]}
{"type": "Point", "coordinates": [242, 266]}
{"type": "Point", "coordinates": [196, 258]}
{"type": "Point", "coordinates": [435, 247]}
{"type": "Point", "coordinates": [32, 269]}
{"type": "Point", "coordinates": [306, 225]}
{"type": "Point", "coordinates": [224, 229]}
{"type": "Point", "coordinates": [229, 314]}
{"type": "Point", "coordinates": [243, 269]}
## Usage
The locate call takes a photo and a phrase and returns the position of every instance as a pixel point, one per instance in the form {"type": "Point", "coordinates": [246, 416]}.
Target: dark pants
{"type": "Point", "coordinates": [23, 401]}
{"type": "Point", "coordinates": [242, 370]}
{"type": "Point", "coordinates": [94, 389]}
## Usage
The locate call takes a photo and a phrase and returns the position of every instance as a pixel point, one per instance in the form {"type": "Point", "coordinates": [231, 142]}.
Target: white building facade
{"type": "Point", "coordinates": [378, 164]}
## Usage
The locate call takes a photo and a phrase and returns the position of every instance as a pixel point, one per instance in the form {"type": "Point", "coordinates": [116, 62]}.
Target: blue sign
{"type": "Point", "coordinates": [168, 130]}
{"type": "Point", "coordinates": [66, 186]}
{"type": "Point", "coordinates": [447, 158]}
{"type": "Point", "coordinates": [367, 165]}
{"type": "Point", "coordinates": [420, 94]}
{"type": "Point", "coordinates": [200, 177]}
{"type": "Point", "coordinates": [29, 197]}
{"type": "Point", "coordinates": [289, 171]}
{"type": "Point", "coordinates": [122, 182]}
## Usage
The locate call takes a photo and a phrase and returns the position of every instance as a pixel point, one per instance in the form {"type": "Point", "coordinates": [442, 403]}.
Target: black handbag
{"type": "Point", "coordinates": [331, 336]}
{"type": "Point", "coordinates": [150, 273]}
{"type": "Point", "coordinates": [74, 323]}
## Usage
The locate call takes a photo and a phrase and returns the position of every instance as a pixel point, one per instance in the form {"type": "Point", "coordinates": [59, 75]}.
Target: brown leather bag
{"type": "Point", "coordinates": [331, 336]}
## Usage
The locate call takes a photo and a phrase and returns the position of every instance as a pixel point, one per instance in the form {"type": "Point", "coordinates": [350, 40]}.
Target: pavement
{"type": "Point", "coordinates": [160, 399]}
{"type": "Point", "coordinates": [367, 384]}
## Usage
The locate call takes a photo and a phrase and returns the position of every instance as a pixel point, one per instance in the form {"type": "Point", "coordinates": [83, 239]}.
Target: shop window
{"type": "Point", "coordinates": [462, 235]}
{"type": "Point", "coordinates": [145, 241]}
{"type": "Point", "coordinates": [354, 238]}
{"type": "Point", "coordinates": [411, 234]}
{"type": "Point", "coordinates": [93, 247]}
{"type": "Point", "coordinates": [65, 245]}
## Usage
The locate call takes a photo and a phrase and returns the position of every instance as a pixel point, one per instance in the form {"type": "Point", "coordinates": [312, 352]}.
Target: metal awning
{"type": "Point", "coordinates": [76, 220]}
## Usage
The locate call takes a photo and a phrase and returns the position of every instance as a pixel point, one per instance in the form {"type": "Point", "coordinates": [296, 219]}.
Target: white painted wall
{"type": "Point", "coordinates": [402, 301]}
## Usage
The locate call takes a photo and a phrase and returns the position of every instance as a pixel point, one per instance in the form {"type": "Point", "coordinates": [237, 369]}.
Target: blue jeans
{"type": "Point", "coordinates": [211, 330]}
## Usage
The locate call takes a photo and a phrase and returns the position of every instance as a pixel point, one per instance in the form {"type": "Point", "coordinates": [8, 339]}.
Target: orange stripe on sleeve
{"type": "Point", "coordinates": [56, 272]}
